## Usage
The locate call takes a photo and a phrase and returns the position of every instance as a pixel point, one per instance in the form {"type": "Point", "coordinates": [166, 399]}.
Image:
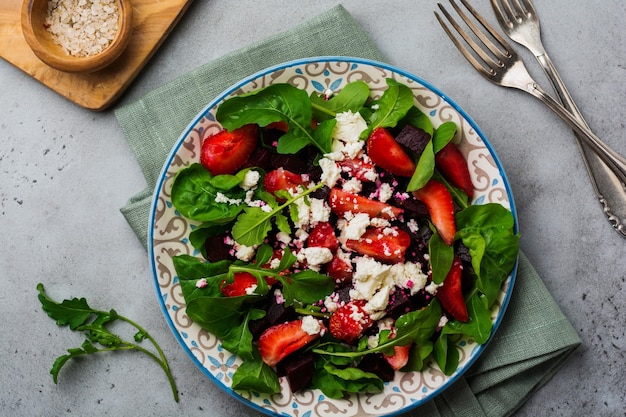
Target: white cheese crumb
{"type": "Point", "coordinates": [311, 325]}
{"type": "Point", "coordinates": [349, 127]}
{"type": "Point", "coordinates": [385, 192]}
{"type": "Point", "coordinates": [353, 186]}
{"type": "Point", "coordinates": [244, 253]}
{"type": "Point", "coordinates": [330, 172]}
{"type": "Point", "coordinates": [250, 180]}
{"type": "Point", "coordinates": [354, 228]}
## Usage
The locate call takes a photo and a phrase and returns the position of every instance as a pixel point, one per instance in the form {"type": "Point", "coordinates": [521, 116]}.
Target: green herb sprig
{"type": "Point", "coordinates": [80, 317]}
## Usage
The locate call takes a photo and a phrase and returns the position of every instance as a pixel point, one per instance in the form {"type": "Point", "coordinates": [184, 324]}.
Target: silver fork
{"type": "Point", "coordinates": [519, 20]}
{"type": "Point", "coordinates": [500, 64]}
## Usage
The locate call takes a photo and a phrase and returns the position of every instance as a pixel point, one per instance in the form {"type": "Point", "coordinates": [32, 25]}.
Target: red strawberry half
{"type": "Point", "coordinates": [225, 152]}
{"type": "Point", "coordinates": [450, 294]}
{"type": "Point", "coordinates": [243, 283]}
{"type": "Point", "coordinates": [349, 321]}
{"type": "Point", "coordinates": [440, 207]}
{"type": "Point", "coordinates": [340, 269]}
{"type": "Point", "coordinates": [342, 202]}
{"type": "Point", "coordinates": [399, 358]}
{"type": "Point", "coordinates": [385, 152]}
{"type": "Point", "coordinates": [385, 244]}
{"type": "Point", "coordinates": [451, 162]}
{"type": "Point", "coordinates": [358, 168]}
{"type": "Point", "coordinates": [323, 236]}
{"type": "Point", "coordinates": [281, 179]}
{"type": "Point", "coordinates": [280, 340]}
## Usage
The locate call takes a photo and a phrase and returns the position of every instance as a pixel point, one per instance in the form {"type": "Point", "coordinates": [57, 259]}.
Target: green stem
{"type": "Point", "coordinates": [162, 362]}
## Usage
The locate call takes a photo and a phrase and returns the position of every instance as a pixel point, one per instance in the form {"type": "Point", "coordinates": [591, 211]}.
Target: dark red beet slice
{"type": "Point", "coordinates": [275, 313]}
{"type": "Point", "coordinates": [298, 368]}
{"type": "Point", "coordinates": [413, 138]}
{"type": "Point", "coordinates": [399, 303]}
{"type": "Point", "coordinates": [261, 157]}
{"type": "Point", "coordinates": [216, 249]}
{"type": "Point", "coordinates": [376, 364]}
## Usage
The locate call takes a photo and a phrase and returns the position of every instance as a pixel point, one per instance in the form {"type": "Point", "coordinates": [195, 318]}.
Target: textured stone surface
{"type": "Point", "coordinates": [66, 171]}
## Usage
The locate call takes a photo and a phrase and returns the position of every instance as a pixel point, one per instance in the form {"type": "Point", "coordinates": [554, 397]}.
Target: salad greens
{"type": "Point", "coordinates": [486, 230]}
{"type": "Point", "coordinates": [80, 317]}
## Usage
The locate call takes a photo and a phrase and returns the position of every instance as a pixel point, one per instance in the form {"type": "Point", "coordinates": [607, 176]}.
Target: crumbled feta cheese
{"type": "Point", "coordinates": [432, 288]}
{"type": "Point", "coordinates": [201, 283]}
{"type": "Point", "coordinates": [354, 228]}
{"type": "Point", "coordinates": [353, 186]}
{"type": "Point", "coordinates": [369, 276]}
{"type": "Point", "coordinates": [244, 253]}
{"type": "Point", "coordinates": [319, 211]}
{"type": "Point", "coordinates": [380, 222]}
{"type": "Point", "coordinates": [385, 192]}
{"type": "Point", "coordinates": [278, 295]}
{"type": "Point", "coordinates": [409, 275]}
{"type": "Point", "coordinates": [442, 322]}
{"type": "Point", "coordinates": [330, 172]}
{"type": "Point", "coordinates": [413, 226]}
{"type": "Point", "coordinates": [250, 290]}
{"type": "Point", "coordinates": [377, 304]}
{"type": "Point", "coordinates": [283, 237]}
{"type": "Point", "coordinates": [349, 126]}
{"type": "Point", "coordinates": [315, 256]}
{"type": "Point", "coordinates": [223, 198]}
{"type": "Point", "coordinates": [250, 180]}
{"type": "Point", "coordinates": [311, 325]}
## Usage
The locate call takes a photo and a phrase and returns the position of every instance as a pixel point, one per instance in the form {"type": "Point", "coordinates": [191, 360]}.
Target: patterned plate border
{"type": "Point", "coordinates": [169, 231]}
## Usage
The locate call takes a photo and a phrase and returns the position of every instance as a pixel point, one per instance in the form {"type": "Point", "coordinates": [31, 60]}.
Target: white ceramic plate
{"type": "Point", "coordinates": [168, 236]}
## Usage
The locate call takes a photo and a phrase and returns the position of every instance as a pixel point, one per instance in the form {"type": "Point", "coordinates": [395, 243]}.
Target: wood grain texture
{"type": "Point", "coordinates": [152, 22]}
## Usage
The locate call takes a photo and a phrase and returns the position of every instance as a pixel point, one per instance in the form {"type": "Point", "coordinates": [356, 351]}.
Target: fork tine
{"type": "Point", "coordinates": [504, 19]}
{"type": "Point", "coordinates": [480, 67]}
{"type": "Point", "coordinates": [504, 51]}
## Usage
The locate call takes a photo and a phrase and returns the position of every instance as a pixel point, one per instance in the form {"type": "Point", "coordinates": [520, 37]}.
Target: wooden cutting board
{"type": "Point", "coordinates": [153, 20]}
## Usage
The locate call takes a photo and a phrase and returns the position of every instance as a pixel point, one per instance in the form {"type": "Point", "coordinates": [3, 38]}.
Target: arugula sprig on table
{"type": "Point", "coordinates": [80, 317]}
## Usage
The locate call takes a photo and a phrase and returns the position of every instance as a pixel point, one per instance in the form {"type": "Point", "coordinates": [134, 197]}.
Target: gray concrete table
{"type": "Point", "coordinates": [65, 171]}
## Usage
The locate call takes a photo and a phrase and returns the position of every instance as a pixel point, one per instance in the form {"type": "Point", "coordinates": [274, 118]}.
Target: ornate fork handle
{"type": "Point", "coordinates": [608, 155]}
{"type": "Point", "coordinates": [617, 187]}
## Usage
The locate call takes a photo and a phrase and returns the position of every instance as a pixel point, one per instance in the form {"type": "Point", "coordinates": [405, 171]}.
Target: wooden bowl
{"type": "Point", "coordinates": [40, 39]}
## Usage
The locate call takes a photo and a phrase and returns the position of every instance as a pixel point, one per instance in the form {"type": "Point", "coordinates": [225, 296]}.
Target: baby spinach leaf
{"type": "Point", "coordinates": [479, 325]}
{"type": "Point", "coordinates": [417, 356]}
{"type": "Point", "coordinates": [351, 97]}
{"type": "Point", "coordinates": [392, 106]}
{"type": "Point", "coordinates": [443, 135]}
{"type": "Point", "coordinates": [334, 381]}
{"type": "Point", "coordinates": [194, 194]}
{"type": "Point", "coordinates": [446, 354]}
{"type": "Point", "coordinates": [307, 286]}
{"type": "Point", "coordinates": [239, 338]}
{"type": "Point", "coordinates": [418, 119]}
{"type": "Point", "coordinates": [487, 230]}
{"type": "Point", "coordinates": [255, 375]}
{"type": "Point", "coordinates": [441, 257]}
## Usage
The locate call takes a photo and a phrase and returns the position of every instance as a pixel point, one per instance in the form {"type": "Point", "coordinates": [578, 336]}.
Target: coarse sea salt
{"type": "Point", "coordinates": [82, 27]}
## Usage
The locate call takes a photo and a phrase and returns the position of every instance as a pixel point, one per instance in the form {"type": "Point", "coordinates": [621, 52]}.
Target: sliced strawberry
{"type": "Point", "coordinates": [349, 321]}
{"type": "Point", "coordinates": [454, 166]}
{"type": "Point", "coordinates": [400, 357]}
{"type": "Point", "coordinates": [385, 152]}
{"type": "Point", "coordinates": [385, 244]}
{"type": "Point", "coordinates": [281, 179]}
{"type": "Point", "coordinates": [280, 125]}
{"type": "Point", "coordinates": [450, 294]}
{"type": "Point", "coordinates": [339, 269]}
{"type": "Point", "coordinates": [359, 169]}
{"type": "Point", "coordinates": [280, 340]}
{"type": "Point", "coordinates": [225, 152]}
{"type": "Point", "coordinates": [243, 284]}
{"type": "Point", "coordinates": [440, 207]}
{"type": "Point", "coordinates": [342, 202]}
{"type": "Point", "coordinates": [323, 236]}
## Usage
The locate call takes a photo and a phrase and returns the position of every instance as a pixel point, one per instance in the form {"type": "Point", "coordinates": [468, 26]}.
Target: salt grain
{"type": "Point", "coordinates": [82, 27]}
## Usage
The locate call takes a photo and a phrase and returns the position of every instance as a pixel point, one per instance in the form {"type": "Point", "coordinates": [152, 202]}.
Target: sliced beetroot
{"type": "Point", "coordinates": [413, 138]}
{"type": "Point", "coordinates": [376, 364]}
{"type": "Point", "coordinates": [274, 313]}
{"type": "Point", "coordinates": [298, 368]}
{"type": "Point", "coordinates": [412, 207]}
{"type": "Point", "coordinates": [216, 249]}
{"type": "Point", "coordinates": [261, 157]}
{"type": "Point", "coordinates": [399, 303]}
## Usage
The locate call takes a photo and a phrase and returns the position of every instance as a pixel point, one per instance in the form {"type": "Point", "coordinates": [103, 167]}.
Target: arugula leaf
{"type": "Point", "coordinates": [352, 97]}
{"type": "Point", "coordinates": [239, 338]}
{"type": "Point", "coordinates": [272, 104]}
{"type": "Point", "coordinates": [79, 316]}
{"type": "Point", "coordinates": [253, 225]}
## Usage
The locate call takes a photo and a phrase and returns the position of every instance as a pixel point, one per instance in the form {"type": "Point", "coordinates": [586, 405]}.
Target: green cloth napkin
{"type": "Point", "coordinates": [534, 338]}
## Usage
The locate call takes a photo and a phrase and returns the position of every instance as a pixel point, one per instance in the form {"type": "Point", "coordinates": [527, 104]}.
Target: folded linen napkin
{"type": "Point", "coordinates": [534, 338]}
